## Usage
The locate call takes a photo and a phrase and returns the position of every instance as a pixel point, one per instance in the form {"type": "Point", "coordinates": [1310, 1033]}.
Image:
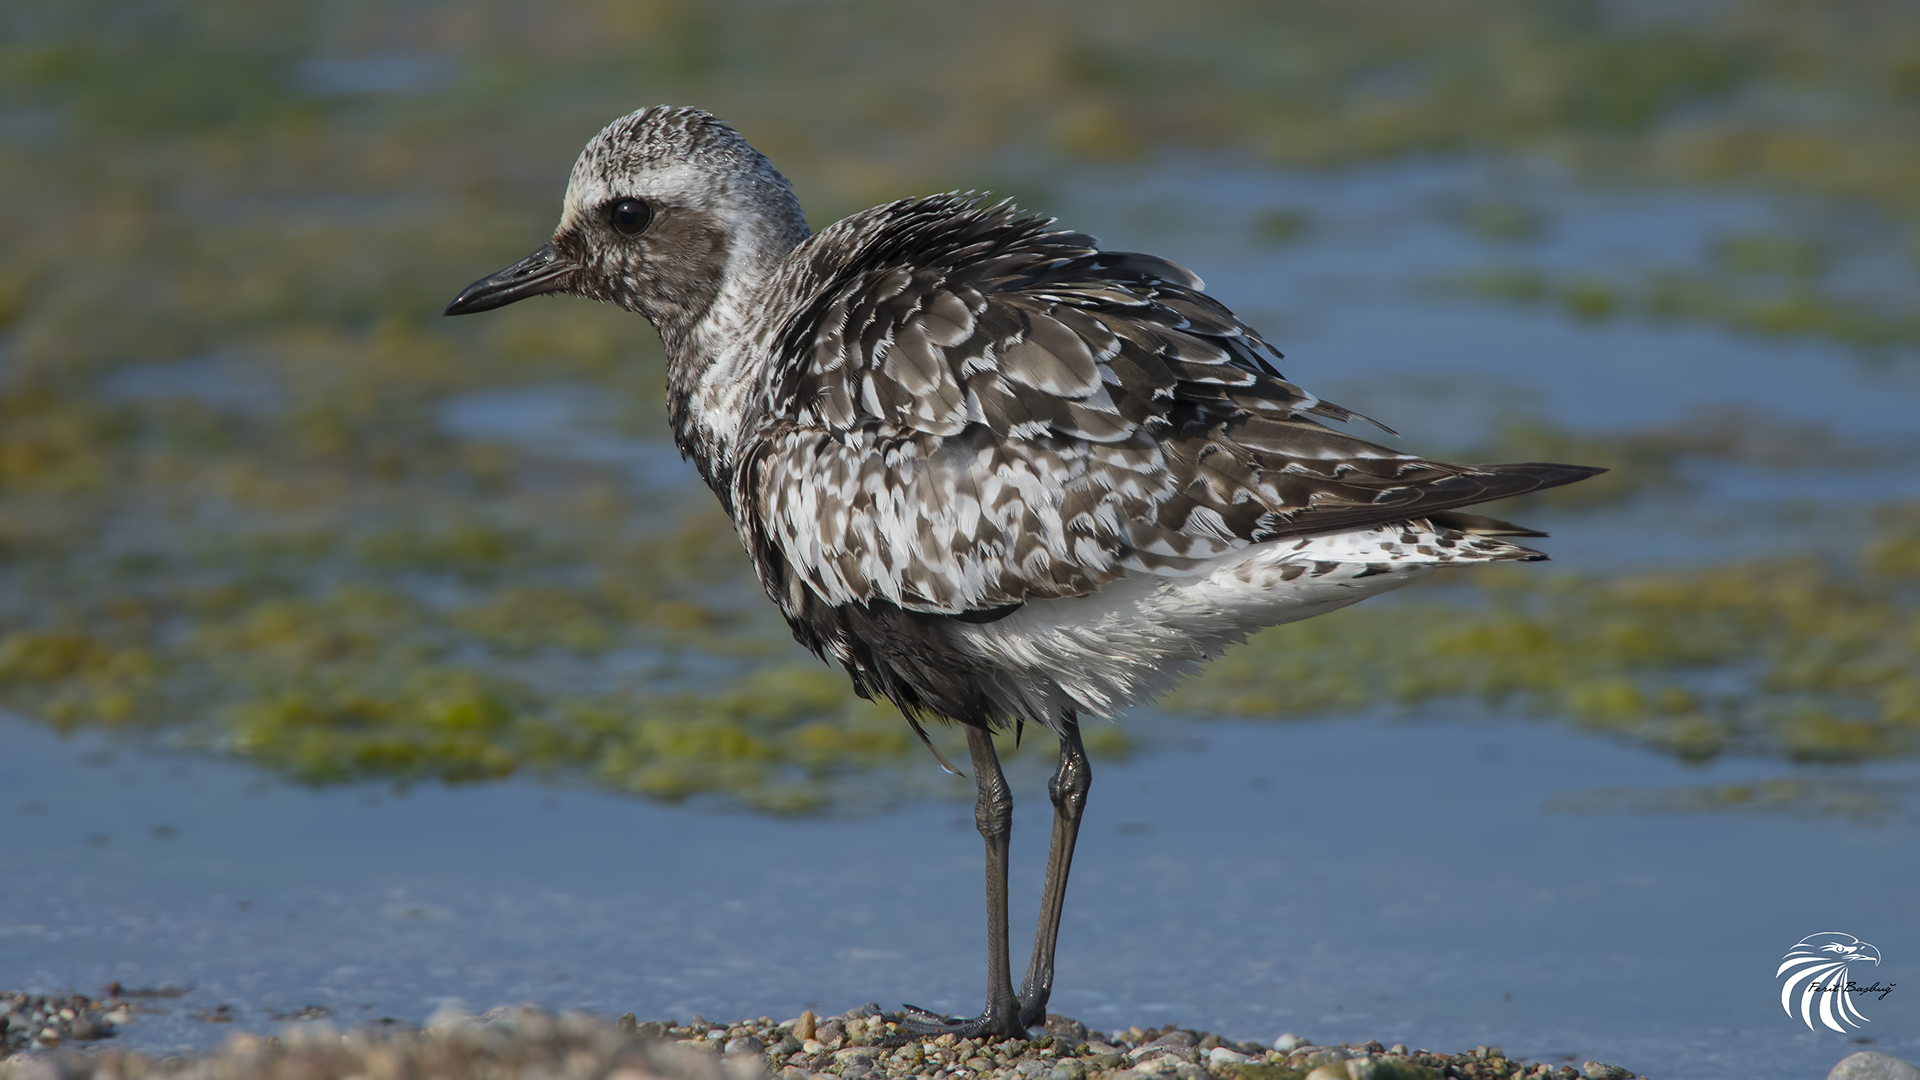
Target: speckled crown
{"type": "Point", "coordinates": [661, 135]}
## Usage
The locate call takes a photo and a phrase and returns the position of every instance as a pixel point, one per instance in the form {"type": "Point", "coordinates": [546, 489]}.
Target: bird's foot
{"type": "Point", "coordinates": [917, 1023]}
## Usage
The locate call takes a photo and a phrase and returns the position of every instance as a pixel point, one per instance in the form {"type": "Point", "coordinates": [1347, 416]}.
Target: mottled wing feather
{"type": "Point", "coordinates": [984, 412]}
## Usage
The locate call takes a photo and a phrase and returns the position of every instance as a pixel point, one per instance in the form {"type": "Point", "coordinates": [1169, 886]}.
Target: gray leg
{"type": "Point", "coordinates": [993, 813]}
{"type": "Point", "coordinates": [1068, 788]}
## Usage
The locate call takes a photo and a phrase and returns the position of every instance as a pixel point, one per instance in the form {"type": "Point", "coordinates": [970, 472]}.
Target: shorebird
{"type": "Point", "coordinates": [998, 473]}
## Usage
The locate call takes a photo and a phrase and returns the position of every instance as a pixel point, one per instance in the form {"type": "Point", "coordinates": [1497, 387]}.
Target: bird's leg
{"type": "Point", "coordinates": [1068, 789]}
{"type": "Point", "coordinates": [993, 813]}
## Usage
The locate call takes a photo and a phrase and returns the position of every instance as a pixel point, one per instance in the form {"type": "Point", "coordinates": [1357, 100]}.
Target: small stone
{"type": "Point", "coordinates": [1175, 1038]}
{"type": "Point", "coordinates": [626, 1025]}
{"type": "Point", "coordinates": [803, 1028]}
{"type": "Point", "coordinates": [1596, 1070]}
{"type": "Point", "coordinates": [744, 1044]}
{"type": "Point", "coordinates": [1329, 1072]}
{"type": "Point", "coordinates": [786, 1047]}
{"type": "Point", "coordinates": [1288, 1042]}
{"type": "Point", "coordinates": [1221, 1055]}
{"type": "Point", "coordinates": [1066, 1027]}
{"type": "Point", "coordinates": [1873, 1065]}
{"type": "Point", "coordinates": [814, 1046]}
{"type": "Point", "coordinates": [1398, 1048]}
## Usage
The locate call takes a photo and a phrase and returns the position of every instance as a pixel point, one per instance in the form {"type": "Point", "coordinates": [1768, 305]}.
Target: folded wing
{"type": "Point", "coordinates": [979, 412]}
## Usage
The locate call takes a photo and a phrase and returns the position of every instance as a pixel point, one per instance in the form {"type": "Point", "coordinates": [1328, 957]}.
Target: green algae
{"type": "Point", "coordinates": [1797, 658]}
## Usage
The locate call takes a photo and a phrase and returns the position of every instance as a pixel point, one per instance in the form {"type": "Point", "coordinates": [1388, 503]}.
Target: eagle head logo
{"type": "Point", "coordinates": [1814, 979]}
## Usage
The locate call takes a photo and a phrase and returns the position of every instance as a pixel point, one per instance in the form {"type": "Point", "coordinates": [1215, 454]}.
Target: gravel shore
{"type": "Point", "coordinates": [41, 1032]}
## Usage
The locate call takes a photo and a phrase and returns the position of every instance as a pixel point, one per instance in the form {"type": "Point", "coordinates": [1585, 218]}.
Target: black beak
{"type": "Point", "coordinates": [544, 271]}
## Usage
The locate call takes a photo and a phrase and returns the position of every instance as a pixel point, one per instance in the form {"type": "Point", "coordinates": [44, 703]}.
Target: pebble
{"type": "Point", "coordinates": [50, 1020]}
{"type": "Point", "coordinates": [1873, 1065]}
{"type": "Point", "coordinates": [857, 1045]}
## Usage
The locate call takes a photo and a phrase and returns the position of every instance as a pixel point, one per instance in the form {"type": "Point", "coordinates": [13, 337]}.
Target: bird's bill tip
{"type": "Point", "coordinates": [544, 271]}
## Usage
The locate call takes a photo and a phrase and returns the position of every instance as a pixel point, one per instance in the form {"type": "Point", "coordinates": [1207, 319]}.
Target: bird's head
{"type": "Point", "coordinates": [1838, 947]}
{"type": "Point", "coordinates": [1856, 950]}
{"type": "Point", "coordinates": [664, 207]}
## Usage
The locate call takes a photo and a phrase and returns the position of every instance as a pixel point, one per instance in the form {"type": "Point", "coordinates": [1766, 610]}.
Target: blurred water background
{"type": "Point", "coordinates": [359, 659]}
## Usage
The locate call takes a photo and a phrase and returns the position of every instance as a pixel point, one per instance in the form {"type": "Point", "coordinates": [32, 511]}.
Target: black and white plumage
{"type": "Point", "coordinates": [998, 473]}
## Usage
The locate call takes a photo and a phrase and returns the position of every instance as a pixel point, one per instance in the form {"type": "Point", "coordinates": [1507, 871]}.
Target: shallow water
{"type": "Point", "coordinates": [1440, 882]}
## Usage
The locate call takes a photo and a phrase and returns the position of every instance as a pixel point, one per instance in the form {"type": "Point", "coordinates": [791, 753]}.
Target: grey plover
{"type": "Point", "coordinates": [998, 473]}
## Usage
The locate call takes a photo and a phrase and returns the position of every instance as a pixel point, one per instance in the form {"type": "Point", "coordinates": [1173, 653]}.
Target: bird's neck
{"type": "Point", "coordinates": [715, 374]}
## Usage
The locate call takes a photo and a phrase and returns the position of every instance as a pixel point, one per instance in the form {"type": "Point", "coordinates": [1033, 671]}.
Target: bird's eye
{"type": "Point", "coordinates": [629, 215]}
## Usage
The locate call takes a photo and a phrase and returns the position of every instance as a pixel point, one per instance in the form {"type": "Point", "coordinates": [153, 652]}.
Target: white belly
{"type": "Point", "coordinates": [1133, 639]}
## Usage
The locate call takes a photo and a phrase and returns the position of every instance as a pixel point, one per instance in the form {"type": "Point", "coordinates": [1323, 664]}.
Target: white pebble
{"type": "Point", "coordinates": [1872, 1065]}
{"type": "Point", "coordinates": [1288, 1042]}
